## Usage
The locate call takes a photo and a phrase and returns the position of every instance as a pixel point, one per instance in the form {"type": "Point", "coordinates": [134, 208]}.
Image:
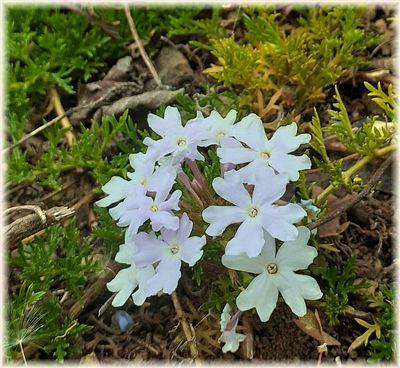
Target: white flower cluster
{"type": "Point", "coordinates": [260, 169]}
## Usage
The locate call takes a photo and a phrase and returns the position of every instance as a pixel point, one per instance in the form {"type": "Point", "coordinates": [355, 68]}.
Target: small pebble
{"type": "Point", "coordinates": [123, 319]}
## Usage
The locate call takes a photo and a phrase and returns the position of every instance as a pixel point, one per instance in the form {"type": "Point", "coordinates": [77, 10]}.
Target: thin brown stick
{"type": "Point", "coordinates": [92, 105]}
{"type": "Point", "coordinates": [36, 131]}
{"type": "Point", "coordinates": [59, 109]}
{"type": "Point", "coordinates": [142, 51]}
{"type": "Point", "coordinates": [185, 326]}
{"type": "Point", "coordinates": [374, 179]}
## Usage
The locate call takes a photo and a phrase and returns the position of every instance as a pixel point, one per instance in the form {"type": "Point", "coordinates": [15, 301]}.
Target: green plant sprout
{"type": "Point", "coordinates": [340, 285]}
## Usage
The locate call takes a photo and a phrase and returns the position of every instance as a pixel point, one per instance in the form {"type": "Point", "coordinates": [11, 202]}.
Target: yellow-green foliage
{"type": "Point", "coordinates": [298, 61]}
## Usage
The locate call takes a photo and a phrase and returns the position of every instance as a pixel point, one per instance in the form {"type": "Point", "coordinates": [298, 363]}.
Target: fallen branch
{"type": "Point", "coordinates": [374, 179]}
{"type": "Point", "coordinates": [31, 224]}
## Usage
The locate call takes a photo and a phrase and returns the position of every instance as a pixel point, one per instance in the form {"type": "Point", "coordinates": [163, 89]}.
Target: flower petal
{"type": "Point", "coordinates": [172, 203]}
{"type": "Point", "coordinates": [117, 188]}
{"type": "Point", "coordinates": [144, 274]}
{"type": "Point", "coordinates": [248, 239]}
{"type": "Point", "coordinates": [285, 140]}
{"type": "Point", "coordinates": [244, 263]}
{"type": "Point", "coordinates": [251, 131]}
{"type": "Point", "coordinates": [278, 220]}
{"type": "Point", "coordinates": [168, 273]}
{"type": "Point", "coordinates": [232, 189]}
{"type": "Point", "coordinates": [236, 155]}
{"type": "Point", "coordinates": [290, 291]}
{"type": "Point", "coordinates": [296, 255]}
{"type": "Point", "coordinates": [133, 219]}
{"type": "Point", "coordinates": [190, 250]}
{"type": "Point", "coordinates": [124, 283]}
{"type": "Point", "coordinates": [162, 178]}
{"type": "Point", "coordinates": [149, 249]}
{"type": "Point", "coordinates": [185, 228]}
{"type": "Point", "coordinates": [225, 317]}
{"type": "Point", "coordinates": [289, 164]}
{"type": "Point", "coordinates": [219, 217]}
{"type": "Point", "coordinates": [232, 339]}
{"type": "Point", "coordinates": [261, 294]}
{"type": "Point", "coordinates": [170, 122]}
{"type": "Point", "coordinates": [165, 219]}
{"type": "Point", "coordinates": [126, 250]}
{"type": "Point", "coordinates": [269, 186]}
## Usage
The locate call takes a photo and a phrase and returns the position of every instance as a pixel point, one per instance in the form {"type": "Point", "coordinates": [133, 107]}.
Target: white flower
{"type": "Point", "coordinates": [218, 127]}
{"type": "Point", "coordinates": [261, 152]}
{"type": "Point", "coordinates": [134, 211]}
{"type": "Point", "coordinates": [231, 338]}
{"type": "Point", "coordinates": [180, 141]}
{"type": "Point", "coordinates": [144, 176]}
{"type": "Point", "coordinates": [128, 279]}
{"type": "Point", "coordinates": [276, 274]}
{"type": "Point", "coordinates": [170, 249]}
{"type": "Point", "coordinates": [255, 212]}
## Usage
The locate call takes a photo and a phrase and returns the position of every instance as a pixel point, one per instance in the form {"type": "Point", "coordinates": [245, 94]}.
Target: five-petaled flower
{"type": "Point", "coordinates": [169, 250]}
{"type": "Point", "coordinates": [179, 141]}
{"type": "Point", "coordinates": [144, 177]}
{"type": "Point", "coordinates": [255, 213]}
{"type": "Point", "coordinates": [134, 211]}
{"type": "Point", "coordinates": [262, 153]}
{"type": "Point", "coordinates": [276, 274]}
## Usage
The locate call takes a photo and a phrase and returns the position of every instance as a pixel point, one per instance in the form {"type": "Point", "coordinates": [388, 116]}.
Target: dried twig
{"type": "Point", "coordinates": [374, 179]}
{"type": "Point", "coordinates": [94, 290]}
{"type": "Point", "coordinates": [31, 224]}
{"type": "Point", "coordinates": [58, 107]}
{"type": "Point", "coordinates": [142, 51]}
{"type": "Point", "coordinates": [185, 326]}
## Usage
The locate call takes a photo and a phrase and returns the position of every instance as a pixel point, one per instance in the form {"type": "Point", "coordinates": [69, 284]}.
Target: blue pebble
{"type": "Point", "coordinates": [124, 320]}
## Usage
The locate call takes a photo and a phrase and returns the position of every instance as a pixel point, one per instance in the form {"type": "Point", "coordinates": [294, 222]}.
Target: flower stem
{"type": "Point", "coordinates": [357, 166]}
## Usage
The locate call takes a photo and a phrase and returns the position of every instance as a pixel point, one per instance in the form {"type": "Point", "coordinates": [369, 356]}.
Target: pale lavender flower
{"type": "Point", "coordinates": [262, 153]}
{"type": "Point", "coordinates": [276, 275]}
{"type": "Point", "coordinates": [169, 250]}
{"type": "Point", "coordinates": [230, 337]}
{"type": "Point", "coordinates": [179, 141]}
{"type": "Point", "coordinates": [128, 279]}
{"type": "Point", "coordinates": [135, 211]}
{"type": "Point", "coordinates": [218, 127]}
{"type": "Point", "coordinates": [144, 176]}
{"type": "Point", "coordinates": [255, 213]}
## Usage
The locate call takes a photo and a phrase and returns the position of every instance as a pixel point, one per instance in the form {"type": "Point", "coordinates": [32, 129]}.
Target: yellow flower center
{"type": "Point", "coordinates": [253, 212]}
{"type": "Point", "coordinates": [272, 268]}
{"type": "Point", "coordinates": [265, 155]}
{"type": "Point", "coordinates": [174, 248]}
{"type": "Point", "coordinates": [181, 142]}
{"type": "Point", "coordinates": [153, 208]}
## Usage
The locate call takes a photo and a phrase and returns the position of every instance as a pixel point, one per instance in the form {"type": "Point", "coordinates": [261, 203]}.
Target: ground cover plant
{"type": "Point", "coordinates": [192, 184]}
